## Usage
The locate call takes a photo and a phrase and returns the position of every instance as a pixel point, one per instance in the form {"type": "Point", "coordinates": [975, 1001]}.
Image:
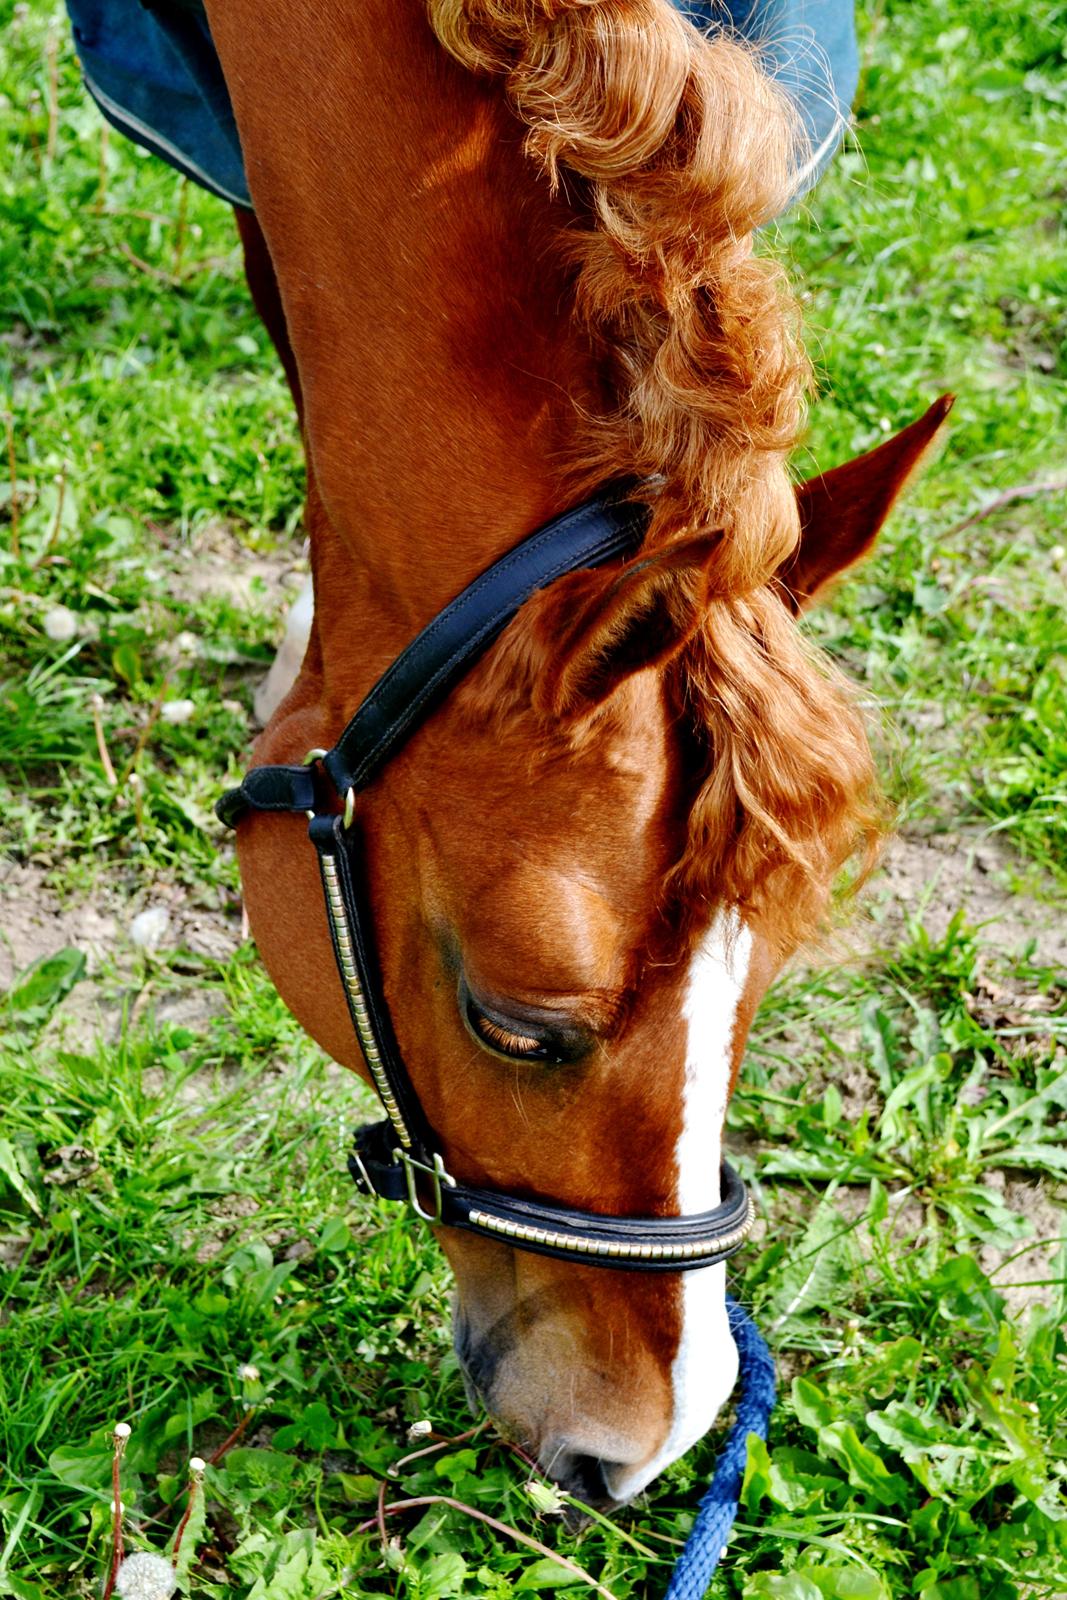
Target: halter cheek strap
{"type": "Point", "coordinates": [400, 1157]}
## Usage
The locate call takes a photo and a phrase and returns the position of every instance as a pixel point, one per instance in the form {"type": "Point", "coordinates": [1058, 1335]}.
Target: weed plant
{"type": "Point", "coordinates": [180, 1248]}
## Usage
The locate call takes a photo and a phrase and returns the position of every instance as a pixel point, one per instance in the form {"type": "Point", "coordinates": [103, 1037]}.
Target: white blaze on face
{"type": "Point", "coordinates": [705, 1367]}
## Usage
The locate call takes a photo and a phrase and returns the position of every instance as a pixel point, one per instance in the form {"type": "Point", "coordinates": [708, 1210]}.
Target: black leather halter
{"type": "Point", "coordinates": [399, 1158]}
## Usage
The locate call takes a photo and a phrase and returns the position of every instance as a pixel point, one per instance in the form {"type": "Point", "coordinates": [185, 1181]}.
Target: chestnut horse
{"type": "Point", "coordinates": [505, 250]}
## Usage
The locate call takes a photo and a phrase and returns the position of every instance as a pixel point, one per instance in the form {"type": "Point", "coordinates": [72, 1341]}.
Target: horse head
{"type": "Point", "coordinates": [570, 975]}
{"type": "Point", "coordinates": [588, 864]}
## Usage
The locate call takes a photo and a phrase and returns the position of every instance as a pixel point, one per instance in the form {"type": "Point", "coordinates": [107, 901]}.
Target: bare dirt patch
{"type": "Point", "coordinates": [35, 922]}
{"type": "Point", "coordinates": [933, 876]}
{"type": "Point", "coordinates": [215, 562]}
{"type": "Point", "coordinates": [1026, 1275]}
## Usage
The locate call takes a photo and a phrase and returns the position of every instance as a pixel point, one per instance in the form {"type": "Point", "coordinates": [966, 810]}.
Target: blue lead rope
{"type": "Point", "coordinates": [706, 1544]}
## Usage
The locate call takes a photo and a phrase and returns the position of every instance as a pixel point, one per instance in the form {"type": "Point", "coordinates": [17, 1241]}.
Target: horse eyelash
{"type": "Point", "coordinates": [512, 1044]}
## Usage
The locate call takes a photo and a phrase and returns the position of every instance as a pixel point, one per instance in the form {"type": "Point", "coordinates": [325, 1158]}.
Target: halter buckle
{"type": "Point", "coordinates": [437, 1175]}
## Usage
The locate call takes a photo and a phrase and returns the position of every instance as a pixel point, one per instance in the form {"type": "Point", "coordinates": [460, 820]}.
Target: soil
{"type": "Point", "coordinates": [1025, 1274]}
{"type": "Point", "coordinates": [35, 922]}
{"type": "Point", "coordinates": [216, 562]}
{"type": "Point", "coordinates": [935, 875]}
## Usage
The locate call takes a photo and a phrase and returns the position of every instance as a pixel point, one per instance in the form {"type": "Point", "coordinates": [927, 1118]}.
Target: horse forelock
{"type": "Point", "coordinates": [780, 786]}
{"type": "Point", "coordinates": [774, 780]}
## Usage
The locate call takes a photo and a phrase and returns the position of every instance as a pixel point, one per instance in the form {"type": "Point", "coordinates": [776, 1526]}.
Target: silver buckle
{"type": "Point", "coordinates": [436, 1173]}
{"type": "Point", "coordinates": [315, 754]}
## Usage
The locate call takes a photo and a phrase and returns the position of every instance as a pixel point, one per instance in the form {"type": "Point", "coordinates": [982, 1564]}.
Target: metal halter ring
{"type": "Point", "coordinates": [316, 753]}
{"type": "Point", "coordinates": [437, 1176]}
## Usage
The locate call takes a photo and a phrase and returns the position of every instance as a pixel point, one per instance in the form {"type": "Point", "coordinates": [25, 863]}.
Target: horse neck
{"type": "Point", "coordinates": [416, 251]}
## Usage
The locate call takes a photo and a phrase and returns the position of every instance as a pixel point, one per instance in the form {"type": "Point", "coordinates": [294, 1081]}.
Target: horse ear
{"type": "Point", "coordinates": [842, 511]}
{"type": "Point", "coordinates": [640, 617]}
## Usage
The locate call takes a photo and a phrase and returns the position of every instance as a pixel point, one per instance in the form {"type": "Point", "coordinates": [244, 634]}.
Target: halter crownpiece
{"type": "Point", "coordinates": [399, 1158]}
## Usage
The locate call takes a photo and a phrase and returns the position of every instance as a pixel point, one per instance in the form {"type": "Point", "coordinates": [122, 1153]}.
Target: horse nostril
{"type": "Point", "coordinates": [585, 1478]}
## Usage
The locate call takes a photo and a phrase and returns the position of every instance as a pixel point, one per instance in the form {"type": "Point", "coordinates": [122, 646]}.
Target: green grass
{"type": "Point", "coordinates": [173, 1204]}
{"type": "Point", "coordinates": [935, 258]}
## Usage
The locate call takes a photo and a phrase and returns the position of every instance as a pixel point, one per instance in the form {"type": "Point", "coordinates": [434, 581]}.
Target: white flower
{"type": "Point", "coordinates": [546, 1498]}
{"type": "Point", "coordinates": [150, 927]}
{"type": "Point", "coordinates": [177, 711]}
{"type": "Point", "coordinates": [145, 1576]}
{"type": "Point", "coordinates": [60, 624]}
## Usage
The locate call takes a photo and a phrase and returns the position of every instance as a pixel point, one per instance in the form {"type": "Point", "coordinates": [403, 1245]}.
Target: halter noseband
{"type": "Point", "coordinates": [399, 1158]}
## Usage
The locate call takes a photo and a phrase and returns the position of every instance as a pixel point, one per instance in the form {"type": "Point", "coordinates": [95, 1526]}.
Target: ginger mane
{"type": "Point", "coordinates": [775, 781]}
{"type": "Point", "coordinates": [673, 148]}
{"type": "Point", "coordinates": [782, 788]}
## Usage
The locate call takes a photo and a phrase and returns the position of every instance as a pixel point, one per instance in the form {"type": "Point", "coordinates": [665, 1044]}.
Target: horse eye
{"type": "Point", "coordinates": [509, 1044]}
{"type": "Point", "coordinates": [506, 1041]}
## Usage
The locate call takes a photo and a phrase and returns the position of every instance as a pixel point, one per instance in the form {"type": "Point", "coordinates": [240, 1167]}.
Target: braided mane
{"type": "Point", "coordinates": [673, 148]}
